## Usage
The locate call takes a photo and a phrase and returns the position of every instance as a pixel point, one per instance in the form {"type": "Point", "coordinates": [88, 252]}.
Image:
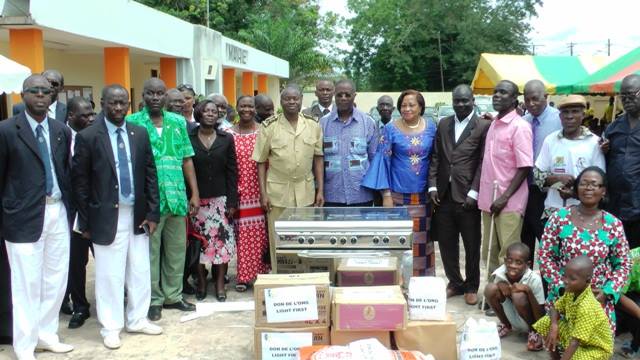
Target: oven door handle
{"type": "Point", "coordinates": [320, 254]}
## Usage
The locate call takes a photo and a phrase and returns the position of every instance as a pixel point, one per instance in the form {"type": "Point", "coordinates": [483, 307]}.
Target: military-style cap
{"type": "Point", "coordinates": [572, 100]}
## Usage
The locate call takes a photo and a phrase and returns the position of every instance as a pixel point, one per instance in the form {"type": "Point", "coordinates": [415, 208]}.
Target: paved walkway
{"type": "Point", "coordinates": [221, 336]}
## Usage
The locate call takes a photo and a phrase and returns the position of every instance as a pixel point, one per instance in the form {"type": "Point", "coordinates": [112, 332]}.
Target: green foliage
{"type": "Point", "coordinates": [395, 43]}
{"type": "Point", "coordinates": [290, 29]}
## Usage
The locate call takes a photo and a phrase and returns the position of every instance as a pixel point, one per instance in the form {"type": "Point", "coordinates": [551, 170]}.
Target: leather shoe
{"type": "Point", "coordinates": [58, 348]}
{"type": "Point", "coordinates": [181, 305]}
{"type": "Point", "coordinates": [77, 319]}
{"type": "Point", "coordinates": [471, 298]}
{"type": "Point", "coordinates": [155, 312]}
{"type": "Point", "coordinates": [451, 292]}
{"type": "Point", "coordinates": [187, 289]}
{"type": "Point", "coordinates": [65, 308]}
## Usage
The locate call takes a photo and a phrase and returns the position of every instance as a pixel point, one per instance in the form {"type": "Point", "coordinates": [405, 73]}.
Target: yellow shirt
{"type": "Point", "coordinates": [289, 152]}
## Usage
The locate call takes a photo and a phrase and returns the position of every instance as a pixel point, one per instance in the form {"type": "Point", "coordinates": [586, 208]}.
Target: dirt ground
{"type": "Point", "coordinates": [221, 336]}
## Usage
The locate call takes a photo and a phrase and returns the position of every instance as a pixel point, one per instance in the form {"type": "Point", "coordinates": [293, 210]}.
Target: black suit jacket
{"type": "Point", "coordinates": [22, 176]}
{"type": "Point", "coordinates": [459, 161]}
{"type": "Point", "coordinates": [95, 181]}
{"type": "Point", "coordinates": [61, 111]}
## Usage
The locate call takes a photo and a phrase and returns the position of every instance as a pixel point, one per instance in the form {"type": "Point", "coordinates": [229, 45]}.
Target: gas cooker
{"type": "Point", "coordinates": [344, 228]}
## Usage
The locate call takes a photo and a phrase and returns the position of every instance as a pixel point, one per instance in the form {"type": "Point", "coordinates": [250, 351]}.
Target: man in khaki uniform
{"type": "Point", "coordinates": [290, 146]}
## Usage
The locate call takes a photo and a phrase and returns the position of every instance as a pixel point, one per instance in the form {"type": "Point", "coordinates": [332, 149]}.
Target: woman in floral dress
{"type": "Point", "coordinates": [584, 229]}
{"type": "Point", "coordinates": [216, 172]}
{"type": "Point", "coordinates": [400, 171]}
{"type": "Point", "coordinates": [251, 229]}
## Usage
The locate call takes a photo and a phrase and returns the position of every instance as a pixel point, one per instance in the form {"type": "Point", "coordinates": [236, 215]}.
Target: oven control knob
{"type": "Point", "coordinates": [311, 240]}
{"type": "Point", "coordinates": [353, 240]}
{"type": "Point", "coordinates": [300, 239]}
{"type": "Point", "coordinates": [385, 239]}
{"type": "Point", "coordinates": [343, 240]}
{"type": "Point", "coordinates": [333, 240]}
{"type": "Point", "coordinates": [376, 240]}
{"type": "Point", "coordinates": [402, 240]}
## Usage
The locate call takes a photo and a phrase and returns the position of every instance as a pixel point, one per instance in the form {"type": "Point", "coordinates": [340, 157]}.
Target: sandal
{"type": "Point", "coordinates": [534, 341]}
{"type": "Point", "coordinates": [503, 330]}
{"type": "Point", "coordinates": [241, 287]}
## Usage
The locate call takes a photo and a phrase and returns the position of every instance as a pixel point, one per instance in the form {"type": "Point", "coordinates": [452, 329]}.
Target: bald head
{"type": "Point", "coordinates": [264, 107]}
{"type": "Point", "coordinates": [463, 101]}
{"type": "Point", "coordinates": [37, 96]}
{"type": "Point", "coordinates": [582, 265]}
{"type": "Point", "coordinates": [630, 94]}
{"type": "Point", "coordinates": [175, 101]}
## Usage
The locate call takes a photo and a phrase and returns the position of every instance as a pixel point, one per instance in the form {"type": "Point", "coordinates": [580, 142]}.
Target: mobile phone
{"type": "Point", "coordinates": [145, 227]}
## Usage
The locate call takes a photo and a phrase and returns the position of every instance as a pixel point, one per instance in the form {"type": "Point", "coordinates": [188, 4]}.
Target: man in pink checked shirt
{"type": "Point", "coordinates": [508, 158]}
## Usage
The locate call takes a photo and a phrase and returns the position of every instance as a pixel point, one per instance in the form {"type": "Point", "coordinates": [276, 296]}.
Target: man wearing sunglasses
{"type": "Point", "coordinates": [622, 146]}
{"type": "Point", "coordinates": [35, 191]}
{"type": "Point", "coordinates": [57, 109]}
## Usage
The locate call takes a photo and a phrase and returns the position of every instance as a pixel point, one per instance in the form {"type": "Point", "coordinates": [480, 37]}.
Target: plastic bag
{"type": "Point", "coordinates": [427, 298]}
{"type": "Point", "coordinates": [480, 340]}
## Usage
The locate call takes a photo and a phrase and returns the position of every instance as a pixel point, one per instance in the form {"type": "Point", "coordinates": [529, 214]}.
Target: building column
{"type": "Point", "coordinates": [168, 71]}
{"type": "Point", "coordinates": [263, 88]}
{"type": "Point", "coordinates": [116, 67]}
{"type": "Point", "coordinates": [247, 83]}
{"type": "Point", "coordinates": [26, 48]}
{"type": "Point", "coordinates": [229, 85]}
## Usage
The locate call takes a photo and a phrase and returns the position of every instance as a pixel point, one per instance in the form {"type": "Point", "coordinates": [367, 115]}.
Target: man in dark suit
{"type": "Point", "coordinates": [325, 89]}
{"type": "Point", "coordinates": [454, 180]}
{"type": "Point", "coordinates": [116, 191]}
{"type": "Point", "coordinates": [57, 110]}
{"type": "Point", "coordinates": [35, 191]}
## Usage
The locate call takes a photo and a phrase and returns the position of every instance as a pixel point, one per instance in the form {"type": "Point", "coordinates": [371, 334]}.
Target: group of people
{"type": "Point", "coordinates": [139, 190]}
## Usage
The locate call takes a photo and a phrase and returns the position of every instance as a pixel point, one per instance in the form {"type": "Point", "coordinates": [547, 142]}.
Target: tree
{"type": "Point", "coordinates": [293, 30]}
{"type": "Point", "coordinates": [395, 43]}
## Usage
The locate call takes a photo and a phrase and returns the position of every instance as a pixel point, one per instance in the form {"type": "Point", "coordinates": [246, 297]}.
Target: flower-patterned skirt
{"type": "Point", "coordinates": [212, 223]}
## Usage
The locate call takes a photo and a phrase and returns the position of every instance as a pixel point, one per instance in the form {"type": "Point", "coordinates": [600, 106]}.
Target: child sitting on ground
{"type": "Point", "coordinates": [577, 325]}
{"type": "Point", "coordinates": [517, 295]}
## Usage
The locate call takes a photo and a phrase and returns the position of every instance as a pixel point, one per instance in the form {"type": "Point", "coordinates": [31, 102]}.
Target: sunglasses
{"type": "Point", "coordinates": [54, 83]}
{"type": "Point", "coordinates": [38, 90]}
{"type": "Point", "coordinates": [185, 87]}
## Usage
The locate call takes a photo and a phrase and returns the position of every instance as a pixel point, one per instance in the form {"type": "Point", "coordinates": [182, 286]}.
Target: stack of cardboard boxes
{"type": "Point", "coordinates": [368, 303]}
{"type": "Point", "coordinates": [292, 310]}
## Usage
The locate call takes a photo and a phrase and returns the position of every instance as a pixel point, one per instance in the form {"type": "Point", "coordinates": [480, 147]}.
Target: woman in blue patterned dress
{"type": "Point", "coordinates": [400, 170]}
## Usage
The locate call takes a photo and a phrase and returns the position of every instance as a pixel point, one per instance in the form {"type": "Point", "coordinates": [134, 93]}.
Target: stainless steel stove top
{"type": "Point", "coordinates": [348, 228]}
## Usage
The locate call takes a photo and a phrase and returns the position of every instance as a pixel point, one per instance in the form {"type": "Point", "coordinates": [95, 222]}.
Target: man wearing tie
{"type": "Point", "coordinates": [57, 110]}
{"type": "Point", "coordinates": [35, 191]}
{"type": "Point", "coordinates": [116, 192]}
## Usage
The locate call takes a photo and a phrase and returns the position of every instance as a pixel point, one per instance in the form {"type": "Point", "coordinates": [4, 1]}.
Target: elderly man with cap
{"type": "Point", "coordinates": [564, 154]}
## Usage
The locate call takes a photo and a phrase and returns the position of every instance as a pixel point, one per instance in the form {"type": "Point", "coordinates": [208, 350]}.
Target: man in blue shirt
{"type": "Point", "coordinates": [350, 139]}
{"type": "Point", "coordinates": [544, 120]}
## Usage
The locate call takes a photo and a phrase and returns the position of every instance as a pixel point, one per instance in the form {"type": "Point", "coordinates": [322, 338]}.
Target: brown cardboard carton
{"type": "Point", "coordinates": [320, 337]}
{"type": "Point", "coordinates": [377, 271]}
{"type": "Point", "coordinates": [339, 337]}
{"type": "Point", "coordinates": [322, 265]}
{"type": "Point", "coordinates": [270, 281]}
{"type": "Point", "coordinates": [368, 308]}
{"type": "Point", "coordinates": [289, 264]}
{"type": "Point", "coordinates": [437, 338]}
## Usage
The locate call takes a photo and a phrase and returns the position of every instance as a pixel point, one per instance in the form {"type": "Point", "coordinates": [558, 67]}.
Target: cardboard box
{"type": "Point", "coordinates": [368, 308]}
{"type": "Point", "coordinates": [437, 338]}
{"type": "Point", "coordinates": [322, 265]}
{"type": "Point", "coordinates": [270, 281]}
{"type": "Point", "coordinates": [320, 336]}
{"type": "Point", "coordinates": [289, 263]}
{"type": "Point", "coordinates": [343, 338]}
{"type": "Point", "coordinates": [375, 271]}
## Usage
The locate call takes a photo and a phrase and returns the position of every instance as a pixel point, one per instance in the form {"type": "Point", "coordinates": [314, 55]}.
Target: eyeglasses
{"type": "Point", "coordinates": [183, 87]}
{"type": "Point", "coordinates": [590, 185]}
{"type": "Point", "coordinates": [54, 83]}
{"type": "Point", "coordinates": [38, 90]}
{"type": "Point", "coordinates": [630, 94]}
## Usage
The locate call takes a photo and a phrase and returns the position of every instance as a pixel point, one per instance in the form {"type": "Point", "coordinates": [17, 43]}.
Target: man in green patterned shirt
{"type": "Point", "coordinates": [172, 152]}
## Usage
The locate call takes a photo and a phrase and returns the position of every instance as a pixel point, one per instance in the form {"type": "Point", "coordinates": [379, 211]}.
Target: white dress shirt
{"type": "Point", "coordinates": [55, 190]}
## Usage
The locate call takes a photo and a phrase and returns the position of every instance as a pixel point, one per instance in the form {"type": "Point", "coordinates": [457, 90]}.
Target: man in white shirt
{"type": "Point", "coordinates": [564, 154]}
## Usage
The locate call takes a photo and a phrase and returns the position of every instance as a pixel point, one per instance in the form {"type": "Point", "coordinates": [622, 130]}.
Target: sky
{"type": "Point", "coordinates": [587, 23]}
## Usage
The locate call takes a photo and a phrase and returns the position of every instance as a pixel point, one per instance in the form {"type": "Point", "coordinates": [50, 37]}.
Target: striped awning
{"type": "Point", "coordinates": [608, 79]}
{"type": "Point", "coordinates": [553, 71]}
